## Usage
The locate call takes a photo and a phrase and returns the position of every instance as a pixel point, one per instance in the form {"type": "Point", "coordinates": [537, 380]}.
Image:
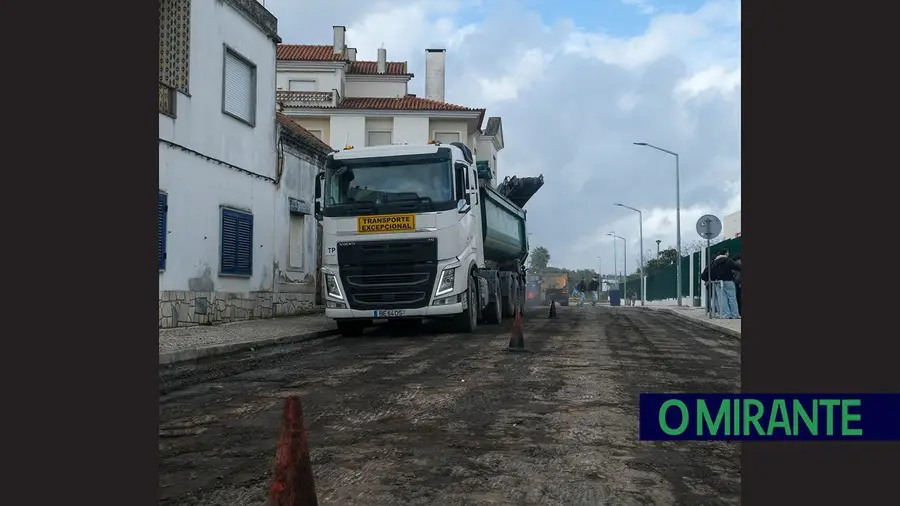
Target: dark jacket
{"type": "Point", "coordinates": [593, 285]}
{"type": "Point", "coordinates": [722, 269]}
{"type": "Point", "coordinates": [580, 286]}
{"type": "Point", "coordinates": [737, 277]}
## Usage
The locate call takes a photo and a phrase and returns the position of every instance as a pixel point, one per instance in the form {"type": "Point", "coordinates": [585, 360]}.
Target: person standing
{"type": "Point", "coordinates": [594, 287]}
{"type": "Point", "coordinates": [737, 284]}
{"type": "Point", "coordinates": [723, 270]}
{"type": "Point", "coordinates": [581, 287]}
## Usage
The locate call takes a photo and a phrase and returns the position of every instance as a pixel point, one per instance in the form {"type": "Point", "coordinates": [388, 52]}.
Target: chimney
{"type": "Point", "coordinates": [382, 60]}
{"type": "Point", "coordinates": [339, 39]}
{"type": "Point", "coordinates": [435, 77]}
{"type": "Point", "coordinates": [351, 53]}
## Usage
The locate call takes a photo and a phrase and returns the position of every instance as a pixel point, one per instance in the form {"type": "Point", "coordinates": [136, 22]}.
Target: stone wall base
{"type": "Point", "coordinates": [182, 308]}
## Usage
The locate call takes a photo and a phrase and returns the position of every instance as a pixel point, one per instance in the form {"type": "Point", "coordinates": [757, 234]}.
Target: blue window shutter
{"type": "Point", "coordinates": [237, 243]}
{"type": "Point", "coordinates": [162, 210]}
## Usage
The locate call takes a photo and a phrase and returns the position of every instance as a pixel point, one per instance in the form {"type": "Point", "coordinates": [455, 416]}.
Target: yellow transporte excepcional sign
{"type": "Point", "coordinates": [386, 224]}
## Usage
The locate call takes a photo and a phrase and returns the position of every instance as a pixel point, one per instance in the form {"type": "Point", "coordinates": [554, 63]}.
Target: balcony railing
{"type": "Point", "coordinates": [290, 99]}
{"type": "Point", "coordinates": [167, 100]}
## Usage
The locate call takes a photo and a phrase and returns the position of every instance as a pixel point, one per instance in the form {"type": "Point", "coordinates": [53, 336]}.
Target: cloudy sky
{"type": "Point", "coordinates": [576, 83]}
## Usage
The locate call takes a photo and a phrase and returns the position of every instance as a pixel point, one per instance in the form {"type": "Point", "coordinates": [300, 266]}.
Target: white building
{"type": "Point", "coordinates": [731, 226]}
{"type": "Point", "coordinates": [297, 233]}
{"type": "Point", "coordinates": [344, 101]}
{"type": "Point", "coordinates": [223, 210]}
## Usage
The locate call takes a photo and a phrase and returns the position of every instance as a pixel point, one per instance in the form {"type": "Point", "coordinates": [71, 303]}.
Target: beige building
{"type": "Point", "coordinates": [343, 101]}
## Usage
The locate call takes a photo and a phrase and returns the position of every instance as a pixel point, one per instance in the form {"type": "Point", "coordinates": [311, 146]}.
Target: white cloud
{"type": "Point", "coordinates": [643, 6]}
{"type": "Point", "coordinates": [573, 101]}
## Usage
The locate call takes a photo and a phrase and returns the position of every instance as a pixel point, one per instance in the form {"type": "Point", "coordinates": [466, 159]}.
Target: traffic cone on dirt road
{"type": "Point", "coordinates": [517, 337]}
{"type": "Point", "coordinates": [552, 309]}
{"type": "Point", "coordinates": [293, 482]}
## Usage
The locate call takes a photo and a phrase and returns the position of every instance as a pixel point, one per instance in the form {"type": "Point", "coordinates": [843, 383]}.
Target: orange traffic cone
{"type": "Point", "coordinates": [293, 482]}
{"type": "Point", "coordinates": [517, 338]}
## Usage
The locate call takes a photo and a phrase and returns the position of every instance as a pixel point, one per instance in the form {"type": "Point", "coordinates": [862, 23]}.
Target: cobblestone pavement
{"type": "Point", "coordinates": [182, 338]}
{"type": "Point", "coordinates": [435, 418]}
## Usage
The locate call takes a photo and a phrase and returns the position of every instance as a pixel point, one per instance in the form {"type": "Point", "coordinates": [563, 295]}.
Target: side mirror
{"type": "Point", "coordinates": [318, 211]}
{"type": "Point", "coordinates": [462, 207]}
{"type": "Point", "coordinates": [319, 178]}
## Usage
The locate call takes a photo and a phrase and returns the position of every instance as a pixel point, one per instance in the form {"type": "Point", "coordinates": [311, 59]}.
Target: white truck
{"type": "Point", "coordinates": [413, 232]}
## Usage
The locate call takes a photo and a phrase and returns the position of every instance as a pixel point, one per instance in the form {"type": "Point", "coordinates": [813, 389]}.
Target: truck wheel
{"type": "Point", "coordinates": [509, 303]}
{"type": "Point", "coordinates": [351, 328]}
{"type": "Point", "coordinates": [467, 321]}
{"type": "Point", "coordinates": [564, 303]}
{"type": "Point", "coordinates": [493, 313]}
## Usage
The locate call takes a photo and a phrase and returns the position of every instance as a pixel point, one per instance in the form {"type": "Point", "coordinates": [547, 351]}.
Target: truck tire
{"type": "Point", "coordinates": [564, 303]}
{"type": "Point", "coordinates": [351, 328]}
{"type": "Point", "coordinates": [467, 321]}
{"type": "Point", "coordinates": [509, 303]}
{"type": "Point", "coordinates": [493, 313]}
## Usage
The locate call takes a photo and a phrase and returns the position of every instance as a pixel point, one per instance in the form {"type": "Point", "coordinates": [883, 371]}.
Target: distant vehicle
{"type": "Point", "coordinates": [555, 288]}
{"type": "Point", "coordinates": [533, 291]}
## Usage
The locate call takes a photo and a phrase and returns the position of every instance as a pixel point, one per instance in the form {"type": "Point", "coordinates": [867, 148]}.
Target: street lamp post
{"type": "Point", "coordinates": [677, 213]}
{"type": "Point", "coordinates": [641, 218]}
{"type": "Point", "coordinates": [624, 258]}
{"type": "Point", "coordinates": [657, 247]}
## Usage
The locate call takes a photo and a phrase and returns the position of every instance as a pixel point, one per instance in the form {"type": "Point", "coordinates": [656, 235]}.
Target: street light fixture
{"type": "Point", "coordinates": [624, 258]}
{"type": "Point", "coordinates": [641, 218]}
{"type": "Point", "coordinates": [677, 213]}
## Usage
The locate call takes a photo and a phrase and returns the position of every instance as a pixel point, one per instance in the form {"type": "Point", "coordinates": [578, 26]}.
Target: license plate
{"type": "Point", "coordinates": [386, 224]}
{"type": "Point", "coordinates": [389, 313]}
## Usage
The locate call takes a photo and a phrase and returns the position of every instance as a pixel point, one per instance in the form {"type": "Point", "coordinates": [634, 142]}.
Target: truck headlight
{"type": "Point", "coordinates": [331, 287]}
{"type": "Point", "coordinates": [446, 282]}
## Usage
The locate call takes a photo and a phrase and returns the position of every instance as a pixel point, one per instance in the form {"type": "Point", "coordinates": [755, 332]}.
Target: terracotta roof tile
{"type": "Point", "coordinates": [394, 68]}
{"type": "Point", "coordinates": [302, 133]}
{"type": "Point", "coordinates": [407, 103]}
{"type": "Point", "coordinates": [305, 52]}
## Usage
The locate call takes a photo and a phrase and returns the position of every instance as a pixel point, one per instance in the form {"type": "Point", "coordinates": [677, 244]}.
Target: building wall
{"type": "Point", "coordinates": [201, 125]}
{"type": "Point", "coordinates": [348, 130]}
{"type": "Point", "coordinates": [444, 125]}
{"type": "Point", "coordinates": [731, 225]}
{"type": "Point", "coordinates": [361, 88]}
{"type": "Point", "coordinates": [195, 152]}
{"type": "Point", "coordinates": [316, 124]}
{"type": "Point", "coordinates": [411, 129]}
{"type": "Point", "coordinates": [326, 79]}
{"type": "Point", "coordinates": [295, 262]}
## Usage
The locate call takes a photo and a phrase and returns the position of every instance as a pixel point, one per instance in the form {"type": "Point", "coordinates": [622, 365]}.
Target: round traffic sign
{"type": "Point", "coordinates": [709, 227]}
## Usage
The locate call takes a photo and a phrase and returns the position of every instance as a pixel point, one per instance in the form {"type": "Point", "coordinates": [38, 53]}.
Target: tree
{"type": "Point", "coordinates": [698, 245]}
{"type": "Point", "coordinates": [667, 257]}
{"type": "Point", "coordinates": [540, 257]}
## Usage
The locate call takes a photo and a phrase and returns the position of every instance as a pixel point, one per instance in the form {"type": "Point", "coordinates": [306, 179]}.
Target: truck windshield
{"type": "Point", "coordinates": [384, 187]}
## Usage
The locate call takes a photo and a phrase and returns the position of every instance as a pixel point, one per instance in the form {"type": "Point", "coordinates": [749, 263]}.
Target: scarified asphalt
{"type": "Point", "coordinates": [434, 418]}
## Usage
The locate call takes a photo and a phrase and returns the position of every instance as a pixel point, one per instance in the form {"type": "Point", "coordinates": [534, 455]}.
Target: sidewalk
{"type": "Point", "coordinates": [190, 343]}
{"type": "Point", "coordinates": [697, 315]}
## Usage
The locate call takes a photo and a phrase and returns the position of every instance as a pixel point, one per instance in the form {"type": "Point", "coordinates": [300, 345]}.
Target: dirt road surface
{"type": "Point", "coordinates": [449, 419]}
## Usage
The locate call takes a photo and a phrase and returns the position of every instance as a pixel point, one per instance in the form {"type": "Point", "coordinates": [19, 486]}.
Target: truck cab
{"type": "Point", "coordinates": [404, 238]}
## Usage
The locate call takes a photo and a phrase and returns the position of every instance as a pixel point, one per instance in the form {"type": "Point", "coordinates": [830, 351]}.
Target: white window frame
{"type": "Point", "coordinates": [253, 86]}
{"type": "Point", "coordinates": [314, 82]}
{"type": "Point", "coordinates": [459, 135]}
{"type": "Point", "coordinates": [370, 132]}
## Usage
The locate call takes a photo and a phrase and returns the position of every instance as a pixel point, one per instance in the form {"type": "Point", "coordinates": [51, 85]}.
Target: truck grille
{"type": "Point", "coordinates": [391, 274]}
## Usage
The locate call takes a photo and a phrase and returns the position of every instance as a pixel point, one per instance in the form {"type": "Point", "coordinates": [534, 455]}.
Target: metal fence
{"type": "Point", "coordinates": [661, 283]}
